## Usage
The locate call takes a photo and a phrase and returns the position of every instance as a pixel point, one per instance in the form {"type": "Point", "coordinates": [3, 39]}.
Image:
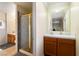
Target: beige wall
{"type": "Point", "coordinates": [41, 27]}
{"type": "Point", "coordinates": [75, 23]}
{"type": "Point", "coordinates": [10, 10]}
{"type": "Point", "coordinates": [3, 15]}
{"type": "Point", "coordinates": [11, 18]}
{"type": "Point", "coordinates": [3, 29]}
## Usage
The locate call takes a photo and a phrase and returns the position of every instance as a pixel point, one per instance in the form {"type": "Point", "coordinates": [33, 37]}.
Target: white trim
{"type": "Point", "coordinates": [34, 27]}
{"type": "Point", "coordinates": [16, 29]}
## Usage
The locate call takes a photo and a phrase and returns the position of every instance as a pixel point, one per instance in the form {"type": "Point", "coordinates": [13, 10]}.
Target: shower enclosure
{"type": "Point", "coordinates": [25, 33]}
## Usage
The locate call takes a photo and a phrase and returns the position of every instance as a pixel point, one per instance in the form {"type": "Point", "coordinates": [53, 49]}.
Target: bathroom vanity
{"type": "Point", "coordinates": [60, 39]}
{"type": "Point", "coordinates": [59, 45]}
{"type": "Point", "coordinates": [11, 38]}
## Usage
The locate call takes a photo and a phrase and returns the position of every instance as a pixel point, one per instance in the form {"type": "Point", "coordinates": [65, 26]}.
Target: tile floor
{"type": "Point", "coordinates": [9, 51]}
{"type": "Point", "coordinates": [5, 46]}
{"type": "Point", "coordinates": [19, 54]}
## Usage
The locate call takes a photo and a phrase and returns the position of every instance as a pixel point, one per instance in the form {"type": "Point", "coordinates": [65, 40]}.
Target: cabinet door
{"type": "Point", "coordinates": [49, 46]}
{"type": "Point", "coordinates": [66, 47]}
{"type": "Point", "coordinates": [11, 39]}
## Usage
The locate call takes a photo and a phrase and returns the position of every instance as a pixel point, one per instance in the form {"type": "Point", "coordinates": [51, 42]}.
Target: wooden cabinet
{"type": "Point", "coordinates": [50, 46]}
{"type": "Point", "coordinates": [59, 47]}
{"type": "Point", "coordinates": [11, 38]}
{"type": "Point", "coordinates": [66, 47]}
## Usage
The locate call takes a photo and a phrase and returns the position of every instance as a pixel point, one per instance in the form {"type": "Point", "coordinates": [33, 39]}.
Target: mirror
{"type": "Point", "coordinates": [59, 16]}
{"type": "Point", "coordinates": [58, 22]}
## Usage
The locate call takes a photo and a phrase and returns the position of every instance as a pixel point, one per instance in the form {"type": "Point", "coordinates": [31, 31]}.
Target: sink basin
{"type": "Point", "coordinates": [61, 36]}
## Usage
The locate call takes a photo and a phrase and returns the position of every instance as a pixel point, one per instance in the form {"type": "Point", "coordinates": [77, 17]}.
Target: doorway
{"type": "Point", "coordinates": [25, 41]}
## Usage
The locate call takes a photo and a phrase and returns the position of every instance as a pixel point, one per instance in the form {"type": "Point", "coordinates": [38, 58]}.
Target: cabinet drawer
{"type": "Point", "coordinates": [66, 41]}
{"type": "Point", "coordinates": [50, 44]}
{"type": "Point", "coordinates": [49, 39]}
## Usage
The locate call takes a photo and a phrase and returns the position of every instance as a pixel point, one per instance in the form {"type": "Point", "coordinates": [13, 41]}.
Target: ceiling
{"type": "Point", "coordinates": [48, 4]}
{"type": "Point", "coordinates": [26, 7]}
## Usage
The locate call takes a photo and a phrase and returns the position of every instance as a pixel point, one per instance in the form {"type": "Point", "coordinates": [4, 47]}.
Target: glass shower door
{"type": "Point", "coordinates": [25, 33]}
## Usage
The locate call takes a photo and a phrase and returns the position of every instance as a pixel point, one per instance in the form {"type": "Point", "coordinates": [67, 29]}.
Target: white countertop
{"type": "Point", "coordinates": [61, 36]}
{"type": "Point", "coordinates": [12, 33]}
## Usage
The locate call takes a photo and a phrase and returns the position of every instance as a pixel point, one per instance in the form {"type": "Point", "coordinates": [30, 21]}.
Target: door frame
{"type": "Point", "coordinates": [33, 29]}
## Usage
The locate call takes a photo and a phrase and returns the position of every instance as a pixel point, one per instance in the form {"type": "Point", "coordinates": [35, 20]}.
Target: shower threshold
{"type": "Point", "coordinates": [28, 50]}
{"type": "Point", "coordinates": [25, 52]}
